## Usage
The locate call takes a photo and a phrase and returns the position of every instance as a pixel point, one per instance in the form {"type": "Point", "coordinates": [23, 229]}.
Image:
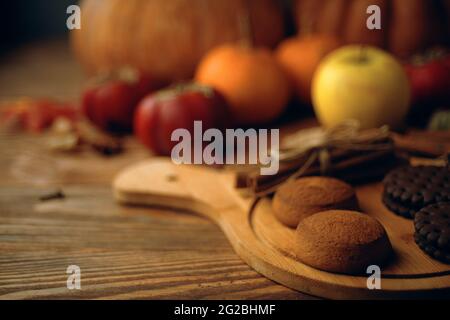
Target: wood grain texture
{"type": "Point", "coordinates": [123, 253]}
{"type": "Point", "coordinates": [126, 253]}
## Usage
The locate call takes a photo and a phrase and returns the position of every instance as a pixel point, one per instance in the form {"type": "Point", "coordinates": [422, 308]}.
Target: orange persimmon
{"type": "Point", "coordinates": [300, 56]}
{"type": "Point", "coordinates": [252, 81]}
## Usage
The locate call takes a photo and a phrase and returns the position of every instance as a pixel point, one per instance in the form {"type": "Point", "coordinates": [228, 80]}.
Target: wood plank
{"type": "Point", "coordinates": [122, 252]}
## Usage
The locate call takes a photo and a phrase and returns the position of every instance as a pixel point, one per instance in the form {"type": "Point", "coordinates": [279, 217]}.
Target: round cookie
{"type": "Point", "coordinates": [432, 235]}
{"type": "Point", "coordinates": [303, 197]}
{"type": "Point", "coordinates": [409, 189]}
{"type": "Point", "coordinates": [342, 241]}
{"type": "Point", "coordinates": [398, 208]}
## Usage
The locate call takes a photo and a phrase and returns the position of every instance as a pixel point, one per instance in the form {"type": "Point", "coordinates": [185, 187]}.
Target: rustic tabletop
{"type": "Point", "coordinates": [123, 252]}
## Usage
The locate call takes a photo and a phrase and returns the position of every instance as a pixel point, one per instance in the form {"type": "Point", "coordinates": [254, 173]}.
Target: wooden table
{"type": "Point", "coordinates": [123, 252]}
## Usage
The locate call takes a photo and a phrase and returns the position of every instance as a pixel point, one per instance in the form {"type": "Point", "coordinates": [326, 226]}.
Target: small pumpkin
{"type": "Point", "coordinates": [300, 57]}
{"type": "Point", "coordinates": [252, 81]}
{"type": "Point", "coordinates": [168, 38]}
{"type": "Point", "coordinates": [407, 26]}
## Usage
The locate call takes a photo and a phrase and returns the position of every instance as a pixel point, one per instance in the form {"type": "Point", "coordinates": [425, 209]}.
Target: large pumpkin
{"type": "Point", "coordinates": [167, 38]}
{"type": "Point", "coordinates": [408, 26]}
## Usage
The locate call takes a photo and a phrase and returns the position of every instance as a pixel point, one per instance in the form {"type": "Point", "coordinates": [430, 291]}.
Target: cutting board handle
{"type": "Point", "coordinates": [162, 183]}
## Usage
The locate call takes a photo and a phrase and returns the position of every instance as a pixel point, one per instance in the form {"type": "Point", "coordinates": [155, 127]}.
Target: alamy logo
{"type": "Point", "coordinates": [74, 279]}
{"type": "Point", "coordinates": [374, 280]}
{"type": "Point", "coordinates": [74, 20]}
{"type": "Point", "coordinates": [237, 141]}
{"type": "Point", "coordinates": [374, 21]}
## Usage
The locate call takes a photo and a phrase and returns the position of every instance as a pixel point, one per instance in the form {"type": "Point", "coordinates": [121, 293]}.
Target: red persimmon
{"type": "Point", "coordinates": [111, 105]}
{"type": "Point", "coordinates": [430, 80]}
{"type": "Point", "coordinates": [159, 114]}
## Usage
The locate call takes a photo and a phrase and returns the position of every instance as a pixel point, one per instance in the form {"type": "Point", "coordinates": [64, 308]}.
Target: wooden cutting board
{"type": "Point", "coordinates": [265, 244]}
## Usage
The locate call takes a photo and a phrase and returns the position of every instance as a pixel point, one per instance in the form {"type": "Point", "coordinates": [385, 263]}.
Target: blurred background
{"type": "Point", "coordinates": [23, 21]}
{"type": "Point", "coordinates": [35, 56]}
{"type": "Point", "coordinates": [168, 38]}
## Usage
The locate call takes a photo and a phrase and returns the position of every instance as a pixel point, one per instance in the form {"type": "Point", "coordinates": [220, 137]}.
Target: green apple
{"type": "Point", "coordinates": [362, 83]}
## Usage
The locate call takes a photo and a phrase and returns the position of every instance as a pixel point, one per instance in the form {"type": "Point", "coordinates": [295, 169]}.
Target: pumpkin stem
{"type": "Point", "coordinates": [245, 26]}
{"type": "Point", "coordinates": [306, 25]}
